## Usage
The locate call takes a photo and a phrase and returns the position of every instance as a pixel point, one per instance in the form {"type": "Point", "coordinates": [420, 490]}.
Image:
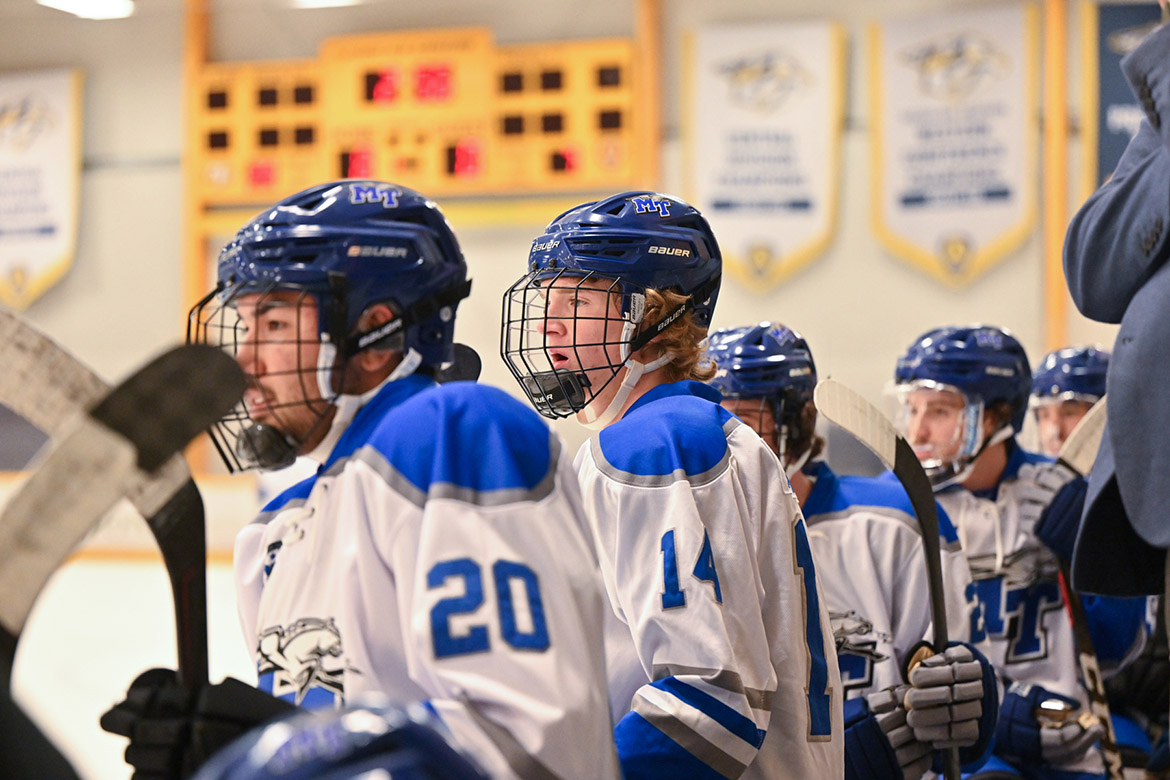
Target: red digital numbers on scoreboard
{"type": "Point", "coordinates": [382, 86]}
{"type": "Point", "coordinates": [463, 159]}
{"type": "Point", "coordinates": [432, 82]}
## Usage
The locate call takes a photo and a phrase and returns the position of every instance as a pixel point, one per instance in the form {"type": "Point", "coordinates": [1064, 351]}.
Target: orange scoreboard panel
{"type": "Point", "coordinates": [444, 111]}
{"type": "Point", "coordinates": [258, 131]}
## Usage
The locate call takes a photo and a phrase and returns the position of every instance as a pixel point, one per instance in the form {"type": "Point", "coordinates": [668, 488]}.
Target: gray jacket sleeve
{"type": "Point", "coordinates": [1118, 238]}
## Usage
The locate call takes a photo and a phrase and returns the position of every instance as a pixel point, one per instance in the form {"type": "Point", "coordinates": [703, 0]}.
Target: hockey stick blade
{"type": "Point", "coordinates": [154, 413]}
{"type": "Point", "coordinates": [1080, 448]}
{"type": "Point", "coordinates": [861, 419]}
{"type": "Point", "coordinates": [1078, 453]}
{"type": "Point", "coordinates": [48, 386]}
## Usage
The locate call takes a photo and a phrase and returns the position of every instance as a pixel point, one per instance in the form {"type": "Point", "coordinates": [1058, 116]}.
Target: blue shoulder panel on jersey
{"type": "Point", "coordinates": [299, 491]}
{"type": "Point", "coordinates": [833, 494]}
{"type": "Point", "coordinates": [645, 753]}
{"type": "Point", "coordinates": [1018, 457]}
{"type": "Point", "coordinates": [675, 431]}
{"type": "Point", "coordinates": [467, 441]}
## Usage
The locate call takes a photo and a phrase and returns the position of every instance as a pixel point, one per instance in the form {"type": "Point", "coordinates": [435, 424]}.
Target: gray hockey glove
{"type": "Point", "coordinates": [945, 701]}
{"type": "Point", "coordinates": [1038, 485]}
{"type": "Point", "coordinates": [914, 757]}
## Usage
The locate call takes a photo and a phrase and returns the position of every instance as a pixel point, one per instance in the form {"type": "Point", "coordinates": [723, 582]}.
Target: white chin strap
{"type": "Point", "coordinates": [1003, 434]}
{"type": "Point", "coordinates": [349, 405]}
{"type": "Point", "coordinates": [597, 418]}
{"type": "Point", "coordinates": [797, 464]}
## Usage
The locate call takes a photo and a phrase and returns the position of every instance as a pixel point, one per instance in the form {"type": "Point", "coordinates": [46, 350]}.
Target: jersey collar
{"type": "Point", "coordinates": [684, 387]}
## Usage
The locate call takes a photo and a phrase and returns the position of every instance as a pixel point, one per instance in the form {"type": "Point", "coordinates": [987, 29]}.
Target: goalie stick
{"type": "Point", "coordinates": [861, 419]}
{"type": "Point", "coordinates": [1078, 453]}
{"type": "Point", "coordinates": [47, 386]}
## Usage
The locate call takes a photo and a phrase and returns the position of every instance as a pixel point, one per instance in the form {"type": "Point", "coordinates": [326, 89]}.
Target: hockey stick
{"type": "Point", "coordinates": [48, 387]}
{"type": "Point", "coordinates": [1078, 453]}
{"type": "Point", "coordinates": [868, 425]}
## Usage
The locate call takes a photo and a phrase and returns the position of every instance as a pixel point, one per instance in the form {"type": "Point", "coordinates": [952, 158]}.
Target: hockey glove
{"type": "Point", "coordinates": [913, 757]}
{"type": "Point", "coordinates": [173, 730]}
{"type": "Point", "coordinates": [1039, 483]}
{"type": "Point", "coordinates": [952, 701]}
{"type": "Point", "coordinates": [1037, 725]}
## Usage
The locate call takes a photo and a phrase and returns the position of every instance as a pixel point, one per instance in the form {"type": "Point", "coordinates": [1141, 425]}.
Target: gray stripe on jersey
{"type": "Point", "coordinates": [404, 487]}
{"type": "Point", "coordinates": [264, 518]}
{"type": "Point", "coordinates": [523, 763]}
{"type": "Point", "coordinates": [718, 678]}
{"type": "Point", "coordinates": [692, 742]}
{"type": "Point", "coordinates": [656, 480]}
{"type": "Point", "coordinates": [905, 518]}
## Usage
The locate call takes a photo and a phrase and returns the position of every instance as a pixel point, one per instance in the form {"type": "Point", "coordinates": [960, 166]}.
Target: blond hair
{"type": "Point", "coordinates": [682, 340]}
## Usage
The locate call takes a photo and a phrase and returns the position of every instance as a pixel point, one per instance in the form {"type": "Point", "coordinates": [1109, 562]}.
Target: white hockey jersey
{"type": "Point", "coordinates": [868, 548]}
{"type": "Point", "coordinates": [440, 554]}
{"type": "Point", "coordinates": [1016, 579]}
{"type": "Point", "coordinates": [720, 652]}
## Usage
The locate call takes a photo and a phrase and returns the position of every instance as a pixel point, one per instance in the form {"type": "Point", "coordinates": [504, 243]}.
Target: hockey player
{"type": "Point", "coordinates": [868, 548]}
{"type": "Point", "coordinates": [438, 554]}
{"type": "Point", "coordinates": [964, 393]}
{"type": "Point", "coordinates": [1066, 384]}
{"type": "Point", "coordinates": [719, 649]}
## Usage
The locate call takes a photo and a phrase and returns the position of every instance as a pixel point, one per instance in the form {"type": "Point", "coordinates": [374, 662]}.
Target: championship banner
{"type": "Point", "coordinates": [763, 116]}
{"type": "Point", "coordinates": [1112, 112]}
{"type": "Point", "coordinates": [954, 137]}
{"type": "Point", "coordinates": [40, 181]}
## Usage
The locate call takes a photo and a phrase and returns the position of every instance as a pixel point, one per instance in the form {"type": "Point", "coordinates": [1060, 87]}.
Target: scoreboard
{"type": "Point", "coordinates": [446, 112]}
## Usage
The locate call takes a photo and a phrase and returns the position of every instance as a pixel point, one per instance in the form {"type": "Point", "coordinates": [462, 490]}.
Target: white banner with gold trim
{"type": "Point", "coordinates": [40, 180]}
{"type": "Point", "coordinates": [953, 133]}
{"type": "Point", "coordinates": [763, 114]}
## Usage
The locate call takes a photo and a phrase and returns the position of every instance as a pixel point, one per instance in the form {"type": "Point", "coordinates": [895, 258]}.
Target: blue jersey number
{"type": "Point", "coordinates": [818, 670]}
{"type": "Point", "coordinates": [820, 722]}
{"type": "Point", "coordinates": [672, 593]}
{"type": "Point", "coordinates": [508, 576]}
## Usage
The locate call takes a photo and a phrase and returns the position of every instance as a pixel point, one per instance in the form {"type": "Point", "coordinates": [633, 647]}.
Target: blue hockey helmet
{"type": "Point", "coordinates": [362, 740]}
{"type": "Point", "coordinates": [984, 362]}
{"type": "Point", "coordinates": [346, 245]}
{"type": "Point", "coordinates": [352, 244]}
{"type": "Point", "coordinates": [985, 365]}
{"type": "Point", "coordinates": [1071, 374]}
{"type": "Point", "coordinates": [631, 242]}
{"type": "Point", "coordinates": [766, 361]}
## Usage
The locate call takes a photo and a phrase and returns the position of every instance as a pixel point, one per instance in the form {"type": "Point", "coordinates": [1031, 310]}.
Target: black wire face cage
{"type": "Point", "coordinates": [543, 338]}
{"type": "Point", "coordinates": [273, 442]}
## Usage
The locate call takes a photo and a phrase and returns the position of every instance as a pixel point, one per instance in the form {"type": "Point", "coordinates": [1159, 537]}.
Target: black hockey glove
{"type": "Point", "coordinates": [173, 730]}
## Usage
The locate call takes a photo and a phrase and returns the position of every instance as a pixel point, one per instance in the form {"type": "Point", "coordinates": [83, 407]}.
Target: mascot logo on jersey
{"type": "Point", "coordinates": [954, 68]}
{"type": "Point", "coordinates": [303, 663]}
{"type": "Point", "coordinates": [856, 648]}
{"type": "Point", "coordinates": [763, 83]}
